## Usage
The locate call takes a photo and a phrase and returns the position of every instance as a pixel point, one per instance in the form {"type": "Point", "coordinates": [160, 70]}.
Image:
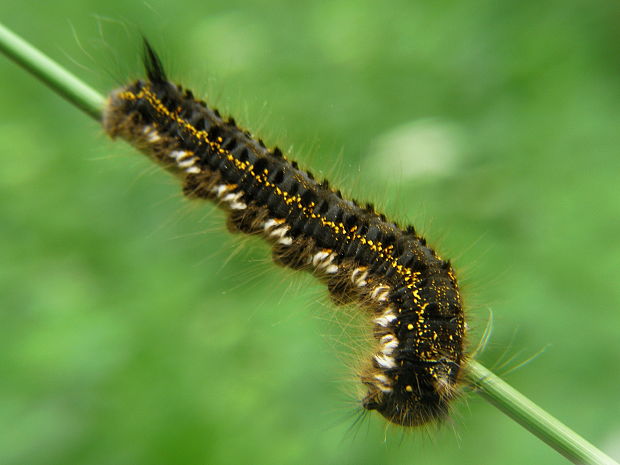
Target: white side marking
{"type": "Point", "coordinates": [232, 197]}
{"type": "Point", "coordinates": [279, 232]}
{"type": "Point", "coordinates": [187, 163]}
{"type": "Point", "coordinates": [319, 257]}
{"type": "Point", "coordinates": [238, 206]}
{"type": "Point", "coordinates": [179, 155]}
{"type": "Point", "coordinates": [220, 189]}
{"type": "Point", "coordinates": [380, 293]}
{"type": "Point", "coordinates": [384, 383]}
{"type": "Point", "coordinates": [386, 318]}
{"type": "Point", "coordinates": [385, 361]}
{"type": "Point", "coordinates": [358, 277]}
{"type": "Point", "coordinates": [389, 343]}
{"type": "Point", "coordinates": [323, 261]}
{"type": "Point", "coordinates": [331, 269]}
{"type": "Point", "coordinates": [270, 224]}
{"type": "Point", "coordinates": [151, 134]}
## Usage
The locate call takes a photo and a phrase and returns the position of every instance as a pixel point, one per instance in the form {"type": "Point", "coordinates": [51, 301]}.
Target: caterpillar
{"type": "Point", "coordinates": [409, 292]}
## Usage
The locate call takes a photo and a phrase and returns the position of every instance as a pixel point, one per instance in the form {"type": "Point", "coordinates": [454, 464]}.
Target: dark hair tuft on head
{"type": "Point", "coordinates": [152, 64]}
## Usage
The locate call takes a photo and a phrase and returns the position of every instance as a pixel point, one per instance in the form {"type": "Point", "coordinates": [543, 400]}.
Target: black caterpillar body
{"type": "Point", "coordinates": [410, 292]}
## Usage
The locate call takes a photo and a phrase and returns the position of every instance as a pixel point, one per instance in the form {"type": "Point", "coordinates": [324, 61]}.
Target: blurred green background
{"type": "Point", "coordinates": [130, 335]}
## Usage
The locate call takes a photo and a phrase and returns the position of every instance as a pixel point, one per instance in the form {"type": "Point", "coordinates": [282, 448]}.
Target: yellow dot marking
{"type": "Point", "coordinates": [409, 326]}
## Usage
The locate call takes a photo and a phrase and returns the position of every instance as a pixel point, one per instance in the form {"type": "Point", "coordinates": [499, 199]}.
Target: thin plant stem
{"type": "Point", "coordinates": [51, 73]}
{"type": "Point", "coordinates": [533, 418]}
{"type": "Point", "coordinates": [488, 385]}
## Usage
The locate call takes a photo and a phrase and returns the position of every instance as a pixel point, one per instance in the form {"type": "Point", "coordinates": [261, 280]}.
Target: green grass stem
{"type": "Point", "coordinates": [533, 418]}
{"type": "Point", "coordinates": [51, 73]}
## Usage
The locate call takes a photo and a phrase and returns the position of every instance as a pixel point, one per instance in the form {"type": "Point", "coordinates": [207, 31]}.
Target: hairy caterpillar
{"type": "Point", "coordinates": [410, 292]}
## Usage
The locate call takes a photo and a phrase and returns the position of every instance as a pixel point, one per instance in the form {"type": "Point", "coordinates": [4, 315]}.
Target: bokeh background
{"type": "Point", "coordinates": [131, 334]}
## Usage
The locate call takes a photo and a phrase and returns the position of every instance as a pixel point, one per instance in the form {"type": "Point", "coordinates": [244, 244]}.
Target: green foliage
{"type": "Point", "coordinates": [125, 338]}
